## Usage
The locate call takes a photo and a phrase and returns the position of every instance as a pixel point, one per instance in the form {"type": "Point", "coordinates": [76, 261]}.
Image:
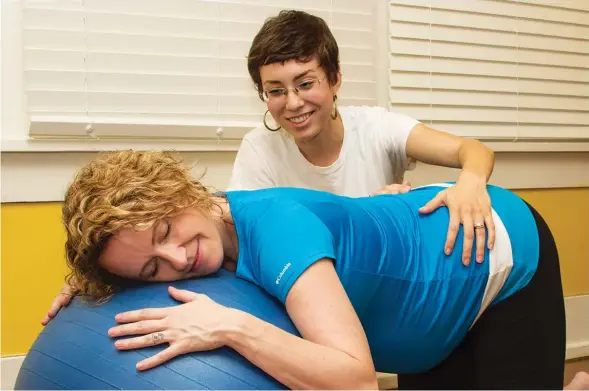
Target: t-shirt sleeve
{"type": "Point", "coordinates": [250, 171]}
{"type": "Point", "coordinates": [285, 240]}
{"type": "Point", "coordinates": [394, 129]}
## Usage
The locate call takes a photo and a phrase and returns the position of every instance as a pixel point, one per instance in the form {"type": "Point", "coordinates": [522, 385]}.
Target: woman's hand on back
{"type": "Point", "coordinates": [393, 188]}
{"type": "Point", "coordinates": [63, 299]}
{"type": "Point", "coordinates": [469, 204]}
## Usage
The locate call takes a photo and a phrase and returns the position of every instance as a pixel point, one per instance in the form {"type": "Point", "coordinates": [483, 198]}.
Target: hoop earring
{"type": "Point", "coordinates": [334, 113]}
{"type": "Point", "coordinates": [266, 125]}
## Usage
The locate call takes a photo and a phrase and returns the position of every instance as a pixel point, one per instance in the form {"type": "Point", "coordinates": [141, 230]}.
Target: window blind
{"type": "Point", "coordinates": [492, 69]}
{"type": "Point", "coordinates": [167, 69]}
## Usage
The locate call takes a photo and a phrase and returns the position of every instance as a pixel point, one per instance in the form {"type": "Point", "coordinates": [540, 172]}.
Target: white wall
{"type": "Point", "coordinates": [28, 177]}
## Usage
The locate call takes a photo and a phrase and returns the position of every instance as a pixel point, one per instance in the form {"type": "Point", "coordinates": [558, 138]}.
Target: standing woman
{"type": "Point", "coordinates": [308, 141]}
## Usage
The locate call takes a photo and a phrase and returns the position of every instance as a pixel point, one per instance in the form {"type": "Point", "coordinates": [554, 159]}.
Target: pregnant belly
{"type": "Point", "coordinates": [412, 326]}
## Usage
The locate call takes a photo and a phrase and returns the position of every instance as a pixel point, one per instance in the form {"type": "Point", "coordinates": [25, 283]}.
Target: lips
{"type": "Point", "coordinates": [196, 257]}
{"type": "Point", "coordinates": [299, 119]}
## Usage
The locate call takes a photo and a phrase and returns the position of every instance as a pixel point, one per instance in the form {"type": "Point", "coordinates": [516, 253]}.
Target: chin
{"type": "Point", "coordinates": [211, 268]}
{"type": "Point", "coordinates": [306, 134]}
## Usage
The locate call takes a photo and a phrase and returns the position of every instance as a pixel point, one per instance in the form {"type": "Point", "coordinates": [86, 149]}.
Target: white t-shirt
{"type": "Point", "coordinates": [372, 156]}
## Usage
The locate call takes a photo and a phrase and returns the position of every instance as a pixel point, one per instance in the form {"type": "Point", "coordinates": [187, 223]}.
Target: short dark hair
{"type": "Point", "coordinates": [293, 35]}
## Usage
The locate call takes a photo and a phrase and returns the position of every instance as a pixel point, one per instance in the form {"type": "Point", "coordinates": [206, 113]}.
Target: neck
{"type": "Point", "coordinates": [222, 215]}
{"type": "Point", "coordinates": [325, 147]}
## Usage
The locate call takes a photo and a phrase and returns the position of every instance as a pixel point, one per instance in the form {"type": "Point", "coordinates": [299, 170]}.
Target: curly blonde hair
{"type": "Point", "coordinates": [126, 189]}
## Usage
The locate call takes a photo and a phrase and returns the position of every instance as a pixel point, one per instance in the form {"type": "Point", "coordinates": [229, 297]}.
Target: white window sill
{"type": "Point", "coordinates": [96, 145]}
{"type": "Point", "coordinates": [86, 144]}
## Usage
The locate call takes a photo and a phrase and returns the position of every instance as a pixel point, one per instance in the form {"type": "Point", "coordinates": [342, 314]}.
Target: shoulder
{"type": "Point", "coordinates": [254, 164]}
{"type": "Point", "coordinates": [362, 114]}
{"type": "Point", "coordinates": [274, 214]}
{"type": "Point", "coordinates": [263, 139]}
{"type": "Point", "coordinates": [276, 202]}
{"type": "Point", "coordinates": [278, 238]}
{"type": "Point", "coordinates": [377, 119]}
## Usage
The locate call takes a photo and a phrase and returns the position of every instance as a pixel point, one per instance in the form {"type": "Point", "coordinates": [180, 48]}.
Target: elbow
{"type": "Point", "coordinates": [479, 146]}
{"type": "Point", "coordinates": [474, 151]}
{"type": "Point", "coordinates": [358, 378]}
{"type": "Point", "coordinates": [365, 381]}
{"type": "Point", "coordinates": [488, 150]}
{"type": "Point", "coordinates": [366, 384]}
{"type": "Point", "coordinates": [356, 384]}
{"type": "Point", "coordinates": [345, 381]}
{"type": "Point", "coordinates": [490, 157]}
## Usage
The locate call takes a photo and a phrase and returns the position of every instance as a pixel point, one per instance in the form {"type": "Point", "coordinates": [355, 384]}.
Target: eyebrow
{"type": "Point", "coordinates": [295, 78]}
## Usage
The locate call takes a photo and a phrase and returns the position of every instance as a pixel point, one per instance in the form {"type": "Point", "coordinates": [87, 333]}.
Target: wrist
{"type": "Point", "coordinates": [472, 178]}
{"type": "Point", "coordinates": [237, 330]}
{"type": "Point", "coordinates": [476, 160]}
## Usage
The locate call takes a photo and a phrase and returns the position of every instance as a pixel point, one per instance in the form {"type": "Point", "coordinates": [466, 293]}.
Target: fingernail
{"type": "Point", "coordinates": [140, 366]}
{"type": "Point", "coordinates": [479, 259]}
{"type": "Point", "coordinates": [466, 261]}
{"type": "Point", "coordinates": [447, 251]}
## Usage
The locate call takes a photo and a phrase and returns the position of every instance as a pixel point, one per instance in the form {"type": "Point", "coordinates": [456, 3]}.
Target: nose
{"type": "Point", "coordinates": [174, 255]}
{"type": "Point", "coordinates": [293, 100]}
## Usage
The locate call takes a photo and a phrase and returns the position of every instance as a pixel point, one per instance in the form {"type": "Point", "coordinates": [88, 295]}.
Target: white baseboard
{"type": "Point", "coordinates": [9, 371]}
{"type": "Point", "coordinates": [577, 313]}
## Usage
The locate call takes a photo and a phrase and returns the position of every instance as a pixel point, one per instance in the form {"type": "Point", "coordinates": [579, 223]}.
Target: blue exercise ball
{"type": "Point", "coordinates": [74, 351]}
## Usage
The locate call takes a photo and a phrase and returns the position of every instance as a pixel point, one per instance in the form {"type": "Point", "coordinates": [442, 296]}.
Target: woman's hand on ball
{"type": "Point", "coordinates": [63, 299]}
{"type": "Point", "coordinates": [196, 325]}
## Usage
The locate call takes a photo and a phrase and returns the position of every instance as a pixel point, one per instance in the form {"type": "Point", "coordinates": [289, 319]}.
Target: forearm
{"type": "Point", "coordinates": [294, 361]}
{"type": "Point", "coordinates": [439, 148]}
{"type": "Point", "coordinates": [476, 160]}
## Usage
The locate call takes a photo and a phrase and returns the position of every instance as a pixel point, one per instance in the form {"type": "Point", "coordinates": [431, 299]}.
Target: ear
{"type": "Point", "coordinates": [335, 87]}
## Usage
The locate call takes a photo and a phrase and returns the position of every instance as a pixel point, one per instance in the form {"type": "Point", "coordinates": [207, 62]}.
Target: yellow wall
{"type": "Point", "coordinates": [33, 266]}
{"type": "Point", "coordinates": [32, 270]}
{"type": "Point", "coordinates": [567, 213]}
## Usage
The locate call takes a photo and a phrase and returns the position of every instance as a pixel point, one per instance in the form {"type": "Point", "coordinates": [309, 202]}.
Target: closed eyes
{"type": "Point", "coordinates": [163, 229]}
{"type": "Point", "coordinates": [166, 231]}
{"type": "Point", "coordinates": [155, 261]}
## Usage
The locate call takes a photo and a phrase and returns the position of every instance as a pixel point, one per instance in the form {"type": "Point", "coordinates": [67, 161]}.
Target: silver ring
{"type": "Point", "coordinates": [479, 225]}
{"type": "Point", "coordinates": [157, 337]}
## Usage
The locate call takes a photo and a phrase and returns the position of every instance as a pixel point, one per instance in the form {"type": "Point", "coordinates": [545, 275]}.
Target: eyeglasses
{"type": "Point", "coordinates": [279, 94]}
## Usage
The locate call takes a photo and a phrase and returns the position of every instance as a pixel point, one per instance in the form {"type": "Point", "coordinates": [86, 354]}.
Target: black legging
{"type": "Point", "coordinates": [518, 343]}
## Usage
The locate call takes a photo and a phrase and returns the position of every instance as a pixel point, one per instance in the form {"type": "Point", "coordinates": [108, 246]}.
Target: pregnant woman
{"type": "Point", "coordinates": [363, 279]}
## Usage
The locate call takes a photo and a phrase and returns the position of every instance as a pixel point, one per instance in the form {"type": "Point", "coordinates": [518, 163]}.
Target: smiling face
{"type": "Point", "coordinates": [306, 113]}
{"type": "Point", "coordinates": [129, 212]}
{"type": "Point", "coordinates": [186, 246]}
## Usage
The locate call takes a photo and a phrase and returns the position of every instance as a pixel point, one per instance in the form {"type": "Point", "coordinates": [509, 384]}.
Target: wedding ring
{"type": "Point", "coordinates": [479, 225]}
